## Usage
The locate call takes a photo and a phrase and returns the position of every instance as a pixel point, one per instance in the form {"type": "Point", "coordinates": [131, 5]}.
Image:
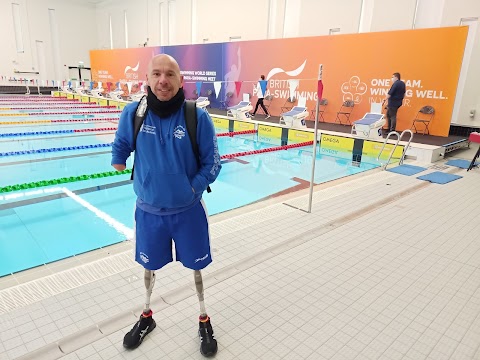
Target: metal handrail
{"type": "Point", "coordinates": [399, 137]}
{"type": "Point", "coordinates": [385, 143]}
{"type": "Point", "coordinates": [408, 144]}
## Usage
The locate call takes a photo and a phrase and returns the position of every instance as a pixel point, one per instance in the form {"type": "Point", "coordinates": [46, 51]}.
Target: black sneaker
{"type": "Point", "coordinates": [144, 326]}
{"type": "Point", "coordinates": [208, 345]}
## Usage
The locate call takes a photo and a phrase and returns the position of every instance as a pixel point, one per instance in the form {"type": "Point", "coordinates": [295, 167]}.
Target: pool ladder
{"type": "Point", "coordinates": [399, 137]}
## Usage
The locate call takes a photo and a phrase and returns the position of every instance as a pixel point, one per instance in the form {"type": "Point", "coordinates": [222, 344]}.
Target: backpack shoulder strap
{"type": "Point", "coordinates": [192, 121]}
{"type": "Point", "coordinates": [139, 118]}
{"type": "Point", "coordinates": [140, 114]}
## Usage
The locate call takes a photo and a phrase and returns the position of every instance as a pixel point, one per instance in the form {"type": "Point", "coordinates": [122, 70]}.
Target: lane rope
{"type": "Point", "coordinates": [42, 183]}
{"type": "Point", "coordinates": [54, 132]}
{"type": "Point", "coordinates": [59, 106]}
{"type": "Point", "coordinates": [65, 113]}
{"type": "Point", "coordinates": [27, 122]}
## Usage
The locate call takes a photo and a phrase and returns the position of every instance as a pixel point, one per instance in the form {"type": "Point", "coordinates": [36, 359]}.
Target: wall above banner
{"type": "Point", "coordinates": [356, 67]}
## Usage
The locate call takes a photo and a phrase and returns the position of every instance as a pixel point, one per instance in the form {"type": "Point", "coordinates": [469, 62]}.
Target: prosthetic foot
{"type": "Point", "coordinates": [144, 326]}
{"type": "Point", "coordinates": [208, 344]}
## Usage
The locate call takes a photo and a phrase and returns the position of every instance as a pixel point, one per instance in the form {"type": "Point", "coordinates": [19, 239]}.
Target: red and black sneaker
{"type": "Point", "coordinates": [144, 326]}
{"type": "Point", "coordinates": [208, 344]}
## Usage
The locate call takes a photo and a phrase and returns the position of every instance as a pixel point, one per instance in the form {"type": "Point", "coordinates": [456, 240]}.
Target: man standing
{"type": "Point", "coordinates": [169, 182]}
{"type": "Point", "coordinates": [395, 98]}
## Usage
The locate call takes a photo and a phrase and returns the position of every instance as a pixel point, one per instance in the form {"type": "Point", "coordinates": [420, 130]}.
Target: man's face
{"type": "Point", "coordinates": [164, 77]}
{"type": "Point", "coordinates": [394, 78]}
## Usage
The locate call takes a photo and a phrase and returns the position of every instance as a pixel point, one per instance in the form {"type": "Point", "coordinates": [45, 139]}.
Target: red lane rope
{"type": "Point", "coordinates": [277, 148]}
{"type": "Point", "coordinates": [62, 106]}
{"type": "Point", "coordinates": [77, 113]}
{"type": "Point", "coordinates": [233, 133]}
{"type": "Point", "coordinates": [91, 130]}
{"type": "Point", "coordinates": [35, 103]}
{"type": "Point", "coordinates": [26, 99]}
{"type": "Point", "coordinates": [83, 120]}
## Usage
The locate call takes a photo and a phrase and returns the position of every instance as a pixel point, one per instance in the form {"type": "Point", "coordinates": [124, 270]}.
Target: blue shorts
{"type": "Point", "coordinates": [189, 230]}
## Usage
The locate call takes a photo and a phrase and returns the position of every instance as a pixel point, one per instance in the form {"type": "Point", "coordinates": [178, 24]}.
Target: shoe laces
{"type": "Point", "coordinates": [206, 334]}
{"type": "Point", "coordinates": [206, 331]}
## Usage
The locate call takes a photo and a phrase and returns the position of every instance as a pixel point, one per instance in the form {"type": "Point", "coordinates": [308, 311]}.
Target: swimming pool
{"type": "Point", "coordinates": [44, 224]}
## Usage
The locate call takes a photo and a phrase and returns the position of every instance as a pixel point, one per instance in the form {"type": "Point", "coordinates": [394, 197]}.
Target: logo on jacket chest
{"type": "Point", "coordinates": [149, 129]}
{"type": "Point", "coordinates": [179, 132]}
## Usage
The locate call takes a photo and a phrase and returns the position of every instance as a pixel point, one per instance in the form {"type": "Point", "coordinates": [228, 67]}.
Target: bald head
{"type": "Point", "coordinates": [163, 59]}
{"type": "Point", "coordinates": [164, 77]}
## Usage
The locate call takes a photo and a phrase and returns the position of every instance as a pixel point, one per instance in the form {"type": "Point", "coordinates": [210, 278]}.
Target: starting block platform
{"type": "Point", "coordinates": [136, 97]}
{"type": "Point", "coordinates": [202, 102]}
{"type": "Point", "coordinates": [295, 117]}
{"type": "Point", "coordinates": [368, 127]}
{"type": "Point", "coordinates": [240, 111]}
{"type": "Point", "coordinates": [115, 94]}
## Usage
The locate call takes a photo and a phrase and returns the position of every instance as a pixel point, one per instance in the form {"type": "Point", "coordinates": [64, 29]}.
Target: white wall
{"type": "Point", "coordinates": [217, 20]}
{"type": "Point", "coordinates": [183, 23]}
{"type": "Point", "coordinates": [470, 95]}
{"type": "Point", "coordinates": [146, 19]}
{"type": "Point", "coordinates": [429, 13]}
{"type": "Point", "coordinates": [275, 18]}
{"type": "Point", "coordinates": [70, 16]}
{"type": "Point", "coordinates": [319, 16]}
{"type": "Point", "coordinates": [393, 15]}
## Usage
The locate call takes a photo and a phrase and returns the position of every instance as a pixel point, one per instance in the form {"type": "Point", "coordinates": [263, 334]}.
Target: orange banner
{"type": "Point", "coordinates": [124, 65]}
{"type": "Point", "coordinates": [356, 67]}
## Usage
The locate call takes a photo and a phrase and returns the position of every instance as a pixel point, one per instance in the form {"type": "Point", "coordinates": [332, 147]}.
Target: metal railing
{"type": "Point", "coordinates": [399, 138]}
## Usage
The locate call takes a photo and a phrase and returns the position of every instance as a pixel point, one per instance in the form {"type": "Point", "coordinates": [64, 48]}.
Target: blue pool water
{"type": "Point", "coordinates": [43, 225]}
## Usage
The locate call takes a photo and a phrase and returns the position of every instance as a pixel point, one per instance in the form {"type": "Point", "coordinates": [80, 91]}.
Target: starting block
{"type": "Point", "coordinates": [98, 90]}
{"type": "Point", "coordinates": [116, 94]}
{"type": "Point", "coordinates": [240, 111]}
{"type": "Point", "coordinates": [295, 117]}
{"type": "Point", "coordinates": [370, 126]}
{"type": "Point", "coordinates": [202, 103]}
{"type": "Point", "coordinates": [80, 90]}
{"type": "Point", "coordinates": [137, 96]}
{"type": "Point", "coordinates": [68, 89]}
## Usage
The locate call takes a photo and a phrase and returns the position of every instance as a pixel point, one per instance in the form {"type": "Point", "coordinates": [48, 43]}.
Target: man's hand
{"type": "Point", "coordinates": [119, 167]}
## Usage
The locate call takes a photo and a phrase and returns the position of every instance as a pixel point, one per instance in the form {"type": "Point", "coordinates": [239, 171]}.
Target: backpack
{"type": "Point", "coordinates": [190, 120]}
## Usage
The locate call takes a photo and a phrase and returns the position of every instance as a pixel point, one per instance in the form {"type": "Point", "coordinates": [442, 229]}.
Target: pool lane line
{"type": "Point", "coordinates": [43, 183]}
{"type": "Point", "coordinates": [117, 225]}
{"type": "Point", "coordinates": [86, 132]}
{"type": "Point", "coordinates": [39, 108]}
{"type": "Point", "coordinates": [61, 113]}
{"type": "Point", "coordinates": [73, 135]}
{"type": "Point", "coordinates": [45, 198]}
{"type": "Point", "coordinates": [63, 148]}
{"type": "Point", "coordinates": [62, 180]}
{"type": "Point", "coordinates": [92, 146]}
{"type": "Point", "coordinates": [54, 158]}
{"type": "Point", "coordinates": [57, 121]}
{"type": "Point", "coordinates": [60, 195]}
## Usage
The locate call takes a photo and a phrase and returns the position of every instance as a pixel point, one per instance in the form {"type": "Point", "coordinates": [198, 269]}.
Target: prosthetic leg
{"type": "Point", "coordinates": [145, 324]}
{"type": "Point", "coordinates": [208, 344]}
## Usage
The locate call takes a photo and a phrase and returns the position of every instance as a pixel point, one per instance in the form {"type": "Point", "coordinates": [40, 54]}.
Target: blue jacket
{"type": "Point", "coordinates": [166, 168]}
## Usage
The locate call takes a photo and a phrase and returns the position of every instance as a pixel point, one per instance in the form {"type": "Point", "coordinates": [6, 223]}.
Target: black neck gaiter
{"type": "Point", "coordinates": [165, 108]}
